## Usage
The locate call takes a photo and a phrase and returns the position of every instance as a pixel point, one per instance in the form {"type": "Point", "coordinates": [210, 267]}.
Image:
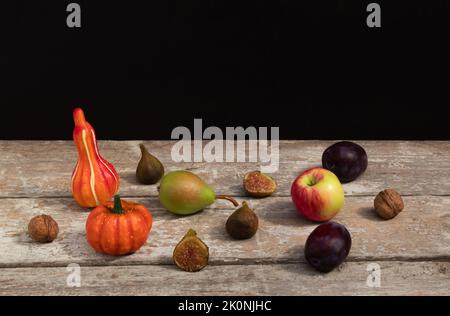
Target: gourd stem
{"type": "Point", "coordinates": [228, 198]}
{"type": "Point", "coordinates": [78, 117]}
{"type": "Point", "coordinates": [117, 205]}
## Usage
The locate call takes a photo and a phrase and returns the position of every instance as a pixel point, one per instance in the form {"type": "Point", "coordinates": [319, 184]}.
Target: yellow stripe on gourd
{"type": "Point", "coordinates": [92, 180]}
{"type": "Point", "coordinates": [106, 166]}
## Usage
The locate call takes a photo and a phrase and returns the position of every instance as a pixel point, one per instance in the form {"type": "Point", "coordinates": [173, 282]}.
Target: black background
{"type": "Point", "coordinates": [141, 68]}
{"type": "Point", "coordinates": [164, 304]}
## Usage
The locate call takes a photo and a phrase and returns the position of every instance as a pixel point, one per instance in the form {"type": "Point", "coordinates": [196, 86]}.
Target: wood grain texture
{"type": "Point", "coordinates": [44, 168]}
{"type": "Point", "coordinates": [412, 249]}
{"type": "Point", "coordinates": [397, 278]}
{"type": "Point", "coordinates": [420, 232]}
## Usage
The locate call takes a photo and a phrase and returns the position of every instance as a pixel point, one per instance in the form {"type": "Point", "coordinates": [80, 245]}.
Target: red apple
{"type": "Point", "coordinates": [317, 194]}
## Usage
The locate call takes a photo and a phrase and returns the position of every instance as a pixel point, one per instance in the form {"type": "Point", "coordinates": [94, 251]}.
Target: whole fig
{"type": "Point", "coordinates": [149, 170]}
{"type": "Point", "coordinates": [243, 223]}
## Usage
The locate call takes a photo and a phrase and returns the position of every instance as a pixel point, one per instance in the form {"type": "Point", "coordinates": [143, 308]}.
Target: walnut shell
{"type": "Point", "coordinates": [388, 203]}
{"type": "Point", "coordinates": [43, 228]}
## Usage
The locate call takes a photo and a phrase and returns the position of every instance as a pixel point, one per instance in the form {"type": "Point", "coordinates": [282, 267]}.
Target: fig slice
{"type": "Point", "coordinates": [191, 254]}
{"type": "Point", "coordinates": [258, 184]}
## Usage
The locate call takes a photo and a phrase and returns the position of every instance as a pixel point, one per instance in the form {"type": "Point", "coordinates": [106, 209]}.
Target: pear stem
{"type": "Point", "coordinates": [228, 198]}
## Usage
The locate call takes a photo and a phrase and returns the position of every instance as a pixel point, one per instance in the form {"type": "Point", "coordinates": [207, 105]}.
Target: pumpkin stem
{"type": "Point", "coordinates": [117, 205]}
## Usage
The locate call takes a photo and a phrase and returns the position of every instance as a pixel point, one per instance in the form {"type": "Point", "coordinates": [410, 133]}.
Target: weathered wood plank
{"type": "Point", "coordinates": [397, 278]}
{"type": "Point", "coordinates": [43, 168]}
{"type": "Point", "coordinates": [420, 232]}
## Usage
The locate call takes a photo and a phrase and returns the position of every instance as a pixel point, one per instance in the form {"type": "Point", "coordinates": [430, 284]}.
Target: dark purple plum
{"type": "Point", "coordinates": [327, 246]}
{"type": "Point", "coordinates": [346, 160]}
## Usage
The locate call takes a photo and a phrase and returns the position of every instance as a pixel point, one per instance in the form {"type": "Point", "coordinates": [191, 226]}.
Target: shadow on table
{"type": "Point", "coordinates": [283, 213]}
{"type": "Point", "coordinates": [368, 213]}
{"type": "Point", "coordinates": [130, 178]}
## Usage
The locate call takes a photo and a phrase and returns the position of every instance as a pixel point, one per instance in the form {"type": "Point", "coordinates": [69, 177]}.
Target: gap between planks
{"type": "Point", "coordinates": [226, 263]}
{"type": "Point", "coordinates": [232, 195]}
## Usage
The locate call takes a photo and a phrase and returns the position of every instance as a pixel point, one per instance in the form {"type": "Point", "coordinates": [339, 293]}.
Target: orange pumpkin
{"type": "Point", "coordinates": [94, 179]}
{"type": "Point", "coordinates": [118, 228]}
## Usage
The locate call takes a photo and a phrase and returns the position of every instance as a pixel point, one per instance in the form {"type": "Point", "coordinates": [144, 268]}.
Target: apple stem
{"type": "Point", "coordinates": [228, 198]}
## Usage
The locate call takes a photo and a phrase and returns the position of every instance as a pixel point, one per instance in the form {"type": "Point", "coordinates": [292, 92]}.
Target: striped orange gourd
{"type": "Point", "coordinates": [94, 180]}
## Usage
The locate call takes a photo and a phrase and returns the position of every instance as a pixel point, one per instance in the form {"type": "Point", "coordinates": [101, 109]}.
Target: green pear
{"type": "Point", "coordinates": [183, 193]}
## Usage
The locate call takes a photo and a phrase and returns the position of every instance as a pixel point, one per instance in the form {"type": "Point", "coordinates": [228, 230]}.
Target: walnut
{"type": "Point", "coordinates": [43, 228]}
{"type": "Point", "coordinates": [388, 204]}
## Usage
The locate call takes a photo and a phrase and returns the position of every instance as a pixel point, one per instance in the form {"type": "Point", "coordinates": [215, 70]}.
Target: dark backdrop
{"type": "Point", "coordinates": [141, 68]}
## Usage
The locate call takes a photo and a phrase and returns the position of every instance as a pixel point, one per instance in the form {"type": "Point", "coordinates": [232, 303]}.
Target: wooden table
{"type": "Point", "coordinates": [412, 250]}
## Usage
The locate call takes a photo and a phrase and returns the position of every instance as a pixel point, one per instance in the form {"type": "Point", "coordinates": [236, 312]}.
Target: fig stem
{"type": "Point", "coordinates": [143, 149]}
{"type": "Point", "coordinates": [228, 198]}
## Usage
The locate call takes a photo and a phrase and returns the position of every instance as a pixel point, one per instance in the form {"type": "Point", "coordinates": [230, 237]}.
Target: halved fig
{"type": "Point", "coordinates": [191, 254]}
{"type": "Point", "coordinates": [258, 184]}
